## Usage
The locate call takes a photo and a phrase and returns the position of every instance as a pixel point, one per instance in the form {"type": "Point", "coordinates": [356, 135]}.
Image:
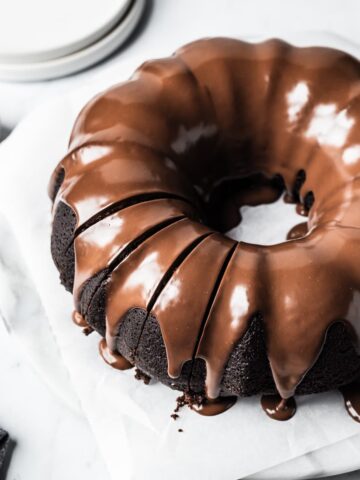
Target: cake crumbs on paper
{"type": "Point", "coordinates": [141, 376]}
{"type": "Point", "coordinates": [180, 430]}
{"type": "Point", "coordinates": [190, 399]}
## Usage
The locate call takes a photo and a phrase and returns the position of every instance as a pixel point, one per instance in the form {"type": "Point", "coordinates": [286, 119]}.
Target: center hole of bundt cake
{"type": "Point", "coordinates": [255, 210]}
{"type": "Point", "coordinates": [267, 224]}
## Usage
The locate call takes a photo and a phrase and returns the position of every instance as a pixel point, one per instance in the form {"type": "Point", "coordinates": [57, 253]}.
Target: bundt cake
{"type": "Point", "coordinates": [157, 170]}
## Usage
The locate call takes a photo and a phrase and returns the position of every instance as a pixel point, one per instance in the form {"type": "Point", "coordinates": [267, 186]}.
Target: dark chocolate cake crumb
{"type": "Point", "coordinates": [190, 399]}
{"type": "Point", "coordinates": [180, 430]}
{"type": "Point", "coordinates": [87, 330]}
{"type": "Point", "coordinates": [175, 416]}
{"type": "Point", "coordinates": [140, 375]}
{"type": "Point", "coordinates": [180, 402]}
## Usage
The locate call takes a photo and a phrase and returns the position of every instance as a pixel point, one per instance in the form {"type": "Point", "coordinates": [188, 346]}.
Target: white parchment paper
{"type": "Point", "coordinates": [131, 421]}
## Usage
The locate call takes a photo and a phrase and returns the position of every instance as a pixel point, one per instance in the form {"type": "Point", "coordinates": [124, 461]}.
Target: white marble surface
{"type": "Point", "coordinates": [54, 440]}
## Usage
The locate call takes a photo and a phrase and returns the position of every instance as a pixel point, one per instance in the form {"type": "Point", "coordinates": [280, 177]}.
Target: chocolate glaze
{"type": "Point", "coordinates": [300, 230]}
{"type": "Point", "coordinates": [351, 394]}
{"type": "Point", "coordinates": [107, 238]}
{"type": "Point", "coordinates": [215, 112]}
{"type": "Point", "coordinates": [210, 407]}
{"type": "Point", "coordinates": [79, 319]}
{"type": "Point", "coordinates": [112, 358]}
{"type": "Point", "coordinates": [189, 290]}
{"type": "Point", "coordinates": [138, 278]}
{"type": "Point", "coordinates": [277, 408]}
{"type": "Point", "coordinates": [202, 405]}
{"type": "Point", "coordinates": [301, 210]}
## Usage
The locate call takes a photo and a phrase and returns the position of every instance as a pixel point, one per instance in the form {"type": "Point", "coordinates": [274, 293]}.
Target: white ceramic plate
{"type": "Point", "coordinates": [74, 62]}
{"type": "Point", "coordinates": [40, 30]}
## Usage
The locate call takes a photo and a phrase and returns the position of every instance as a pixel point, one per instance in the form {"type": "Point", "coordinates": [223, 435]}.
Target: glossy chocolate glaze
{"type": "Point", "coordinates": [107, 238]}
{"type": "Point", "coordinates": [220, 110]}
{"type": "Point", "coordinates": [211, 407]}
{"type": "Point", "coordinates": [79, 319]}
{"type": "Point", "coordinates": [298, 231]}
{"type": "Point", "coordinates": [110, 173]}
{"type": "Point", "coordinates": [137, 279]}
{"type": "Point", "coordinates": [112, 358]}
{"type": "Point", "coordinates": [182, 305]}
{"type": "Point", "coordinates": [277, 408]}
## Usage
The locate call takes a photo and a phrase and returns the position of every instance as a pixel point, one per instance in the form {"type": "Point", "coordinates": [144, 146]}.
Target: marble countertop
{"type": "Point", "coordinates": [54, 441]}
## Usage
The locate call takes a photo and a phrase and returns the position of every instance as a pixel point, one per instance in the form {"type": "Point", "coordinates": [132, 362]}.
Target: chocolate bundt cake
{"type": "Point", "coordinates": [157, 170]}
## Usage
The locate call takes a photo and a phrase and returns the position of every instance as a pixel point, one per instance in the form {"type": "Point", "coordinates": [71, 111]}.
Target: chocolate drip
{"type": "Point", "coordinates": [301, 210]}
{"type": "Point", "coordinates": [278, 408]}
{"type": "Point", "coordinates": [351, 394]}
{"type": "Point", "coordinates": [210, 392]}
{"type": "Point", "coordinates": [234, 305]}
{"type": "Point", "coordinates": [210, 407]}
{"type": "Point", "coordinates": [112, 358]}
{"type": "Point", "coordinates": [79, 319]}
{"type": "Point", "coordinates": [300, 230]}
{"type": "Point", "coordinates": [203, 405]}
{"type": "Point", "coordinates": [192, 127]}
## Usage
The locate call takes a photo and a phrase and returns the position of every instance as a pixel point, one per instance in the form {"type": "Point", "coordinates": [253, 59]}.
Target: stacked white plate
{"type": "Point", "coordinates": [41, 39]}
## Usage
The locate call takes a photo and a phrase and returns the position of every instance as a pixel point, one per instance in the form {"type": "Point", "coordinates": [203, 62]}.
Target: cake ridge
{"type": "Point", "coordinates": [125, 252]}
{"type": "Point", "coordinates": [81, 172]}
{"type": "Point", "coordinates": [139, 276]}
{"type": "Point", "coordinates": [182, 304]}
{"type": "Point", "coordinates": [166, 278]}
{"type": "Point", "coordinates": [209, 305]}
{"type": "Point", "coordinates": [126, 203]}
{"type": "Point", "coordinates": [104, 240]}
